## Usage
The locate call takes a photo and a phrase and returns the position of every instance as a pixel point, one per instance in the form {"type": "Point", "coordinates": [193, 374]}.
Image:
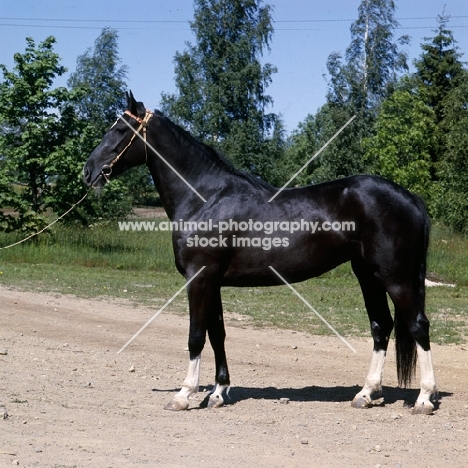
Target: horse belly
{"type": "Point", "coordinates": [296, 260]}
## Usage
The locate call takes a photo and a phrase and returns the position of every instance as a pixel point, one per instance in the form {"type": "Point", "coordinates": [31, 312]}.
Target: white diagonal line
{"type": "Point", "coordinates": [161, 309]}
{"type": "Point", "coordinates": [162, 159]}
{"type": "Point", "coordinates": [312, 158]}
{"type": "Point", "coordinates": [312, 309]}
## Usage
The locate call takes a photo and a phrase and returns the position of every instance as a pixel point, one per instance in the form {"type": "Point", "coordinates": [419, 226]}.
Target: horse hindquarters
{"type": "Point", "coordinates": [400, 269]}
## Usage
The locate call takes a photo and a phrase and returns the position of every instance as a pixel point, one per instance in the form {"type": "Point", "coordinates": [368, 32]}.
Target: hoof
{"type": "Point", "coordinates": [426, 408]}
{"type": "Point", "coordinates": [177, 405]}
{"type": "Point", "coordinates": [215, 401]}
{"type": "Point", "coordinates": [361, 402]}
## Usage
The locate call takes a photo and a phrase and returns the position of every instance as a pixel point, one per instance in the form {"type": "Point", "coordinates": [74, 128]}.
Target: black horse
{"type": "Point", "coordinates": [226, 224]}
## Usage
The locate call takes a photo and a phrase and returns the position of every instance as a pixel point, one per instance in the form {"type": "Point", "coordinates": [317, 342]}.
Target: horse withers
{"type": "Point", "coordinates": [387, 246]}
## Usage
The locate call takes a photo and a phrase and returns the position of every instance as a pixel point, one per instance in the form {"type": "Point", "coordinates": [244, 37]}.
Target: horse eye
{"type": "Point", "coordinates": [120, 130]}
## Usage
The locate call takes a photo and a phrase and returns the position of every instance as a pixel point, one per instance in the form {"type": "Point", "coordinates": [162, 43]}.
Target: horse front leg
{"type": "Point", "coordinates": [217, 335]}
{"type": "Point", "coordinates": [189, 387]}
{"type": "Point", "coordinates": [204, 301]}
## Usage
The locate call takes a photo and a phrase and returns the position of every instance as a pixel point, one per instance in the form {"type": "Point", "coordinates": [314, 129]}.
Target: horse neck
{"type": "Point", "coordinates": [183, 158]}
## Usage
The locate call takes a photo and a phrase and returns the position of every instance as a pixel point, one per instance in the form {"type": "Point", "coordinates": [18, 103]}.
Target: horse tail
{"type": "Point", "coordinates": [405, 344]}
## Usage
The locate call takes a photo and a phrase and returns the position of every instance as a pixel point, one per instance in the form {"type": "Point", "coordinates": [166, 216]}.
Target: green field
{"type": "Point", "coordinates": [103, 261]}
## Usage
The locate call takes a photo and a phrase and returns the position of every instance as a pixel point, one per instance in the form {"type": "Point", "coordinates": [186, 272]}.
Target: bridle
{"type": "Point", "coordinates": [106, 170]}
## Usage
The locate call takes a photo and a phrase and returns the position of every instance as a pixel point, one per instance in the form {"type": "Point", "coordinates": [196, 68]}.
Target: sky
{"type": "Point", "coordinates": [152, 31]}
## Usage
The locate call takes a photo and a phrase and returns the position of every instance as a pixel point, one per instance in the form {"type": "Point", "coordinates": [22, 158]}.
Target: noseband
{"type": "Point", "coordinates": [106, 170]}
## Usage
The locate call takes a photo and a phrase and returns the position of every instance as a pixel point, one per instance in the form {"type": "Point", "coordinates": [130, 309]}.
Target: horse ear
{"type": "Point", "coordinates": [131, 103]}
{"type": "Point", "coordinates": [136, 108]}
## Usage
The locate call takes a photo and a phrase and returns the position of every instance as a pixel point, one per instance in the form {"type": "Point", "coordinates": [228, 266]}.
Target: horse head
{"type": "Point", "coordinates": [120, 148]}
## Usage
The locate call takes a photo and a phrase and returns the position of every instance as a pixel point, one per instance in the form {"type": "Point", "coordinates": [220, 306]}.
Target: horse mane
{"type": "Point", "coordinates": [187, 139]}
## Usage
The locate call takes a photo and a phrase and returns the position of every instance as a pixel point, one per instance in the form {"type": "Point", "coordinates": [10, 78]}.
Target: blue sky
{"type": "Point", "coordinates": [152, 31]}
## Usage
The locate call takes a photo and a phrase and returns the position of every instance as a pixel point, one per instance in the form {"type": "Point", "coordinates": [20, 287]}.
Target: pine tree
{"type": "Point", "coordinates": [222, 84]}
{"type": "Point", "coordinates": [439, 68]}
{"type": "Point", "coordinates": [438, 73]}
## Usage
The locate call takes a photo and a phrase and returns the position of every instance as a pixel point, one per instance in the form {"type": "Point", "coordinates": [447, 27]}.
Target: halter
{"type": "Point", "coordinates": [106, 170]}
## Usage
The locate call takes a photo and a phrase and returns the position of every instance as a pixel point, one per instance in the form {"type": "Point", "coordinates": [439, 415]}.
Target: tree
{"type": "Point", "coordinates": [356, 87]}
{"type": "Point", "coordinates": [373, 59]}
{"type": "Point", "coordinates": [400, 148]}
{"type": "Point", "coordinates": [452, 203]}
{"type": "Point", "coordinates": [438, 72]}
{"type": "Point", "coordinates": [98, 87]}
{"type": "Point", "coordinates": [35, 120]}
{"type": "Point", "coordinates": [221, 82]}
{"type": "Point", "coordinates": [311, 136]}
{"type": "Point", "coordinates": [439, 68]}
{"type": "Point", "coordinates": [101, 82]}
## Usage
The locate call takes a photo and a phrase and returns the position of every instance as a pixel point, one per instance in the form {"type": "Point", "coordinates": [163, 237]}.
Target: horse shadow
{"type": "Point", "coordinates": [334, 394]}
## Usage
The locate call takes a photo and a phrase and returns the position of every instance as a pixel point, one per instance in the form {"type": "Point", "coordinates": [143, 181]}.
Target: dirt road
{"type": "Point", "coordinates": [73, 402]}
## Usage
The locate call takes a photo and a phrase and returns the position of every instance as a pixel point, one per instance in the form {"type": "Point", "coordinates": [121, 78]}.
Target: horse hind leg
{"type": "Point", "coordinates": [412, 344]}
{"type": "Point", "coordinates": [381, 324]}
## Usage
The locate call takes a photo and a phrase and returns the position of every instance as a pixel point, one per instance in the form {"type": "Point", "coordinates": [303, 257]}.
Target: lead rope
{"type": "Point", "coordinates": [105, 172]}
{"type": "Point", "coordinates": [49, 225]}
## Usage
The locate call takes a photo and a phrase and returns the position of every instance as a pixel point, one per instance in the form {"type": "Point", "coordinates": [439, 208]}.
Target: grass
{"type": "Point", "coordinates": [103, 261]}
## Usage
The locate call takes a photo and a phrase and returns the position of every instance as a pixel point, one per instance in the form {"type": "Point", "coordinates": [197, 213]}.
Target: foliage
{"type": "Point", "coordinates": [101, 82]}
{"type": "Point", "coordinates": [452, 204]}
{"type": "Point", "coordinates": [36, 120]}
{"type": "Point", "coordinates": [356, 86]}
{"type": "Point", "coordinates": [221, 82]}
{"type": "Point", "coordinates": [337, 160]}
{"type": "Point", "coordinates": [373, 59]}
{"type": "Point", "coordinates": [439, 68]}
{"type": "Point", "coordinates": [400, 148]}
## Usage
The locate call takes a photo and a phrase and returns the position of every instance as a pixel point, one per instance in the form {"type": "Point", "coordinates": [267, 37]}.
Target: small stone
{"type": "Point", "coordinates": [284, 401]}
{"type": "Point", "coordinates": [132, 368]}
{"type": "Point", "coordinates": [38, 450]}
{"type": "Point", "coordinates": [294, 347]}
{"type": "Point", "coordinates": [395, 416]}
{"type": "Point", "coordinates": [3, 352]}
{"type": "Point", "coordinates": [377, 448]}
{"type": "Point", "coordinates": [15, 462]}
{"type": "Point", "coordinates": [304, 441]}
{"type": "Point", "coordinates": [3, 412]}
